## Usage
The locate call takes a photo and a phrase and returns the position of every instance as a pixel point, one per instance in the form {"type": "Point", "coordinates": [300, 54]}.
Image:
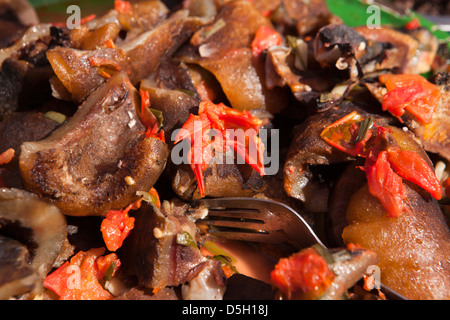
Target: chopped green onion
{"type": "Point", "coordinates": [212, 247]}
{"type": "Point", "coordinates": [185, 239]}
{"type": "Point", "coordinates": [147, 197]}
{"type": "Point", "coordinates": [55, 116]}
{"type": "Point", "coordinates": [300, 49]}
{"type": "Point", "coordinates": [225, 261]}
{"type": "Point", "coordinates": [110, 271]}
{"type": "Point", "coordinates": [159, 116]}
{"type": "Point", "coordinates": [188, 92]}
{"type": "Point", "coordinates": [364, 126]}
{"type": "Point", "coordinates": [209, 31]}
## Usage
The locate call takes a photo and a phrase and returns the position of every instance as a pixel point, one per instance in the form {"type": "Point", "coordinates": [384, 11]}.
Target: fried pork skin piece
{"type": "Point", "coordinates": [435, 136]}
{"type": "Point", "coordinates": [413, 249]}
{"type": "Point", "coordinates": [226, 53]}
{"type": "Point", "coordinates": [80, 71]}
{"type": "Point", "coordinates": [99, 158]}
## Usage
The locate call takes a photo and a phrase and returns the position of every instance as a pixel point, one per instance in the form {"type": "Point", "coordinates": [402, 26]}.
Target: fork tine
{"type": "Point", "coordinates": [240, 224]}
{"type": "Point", "coordinates": [228, 203]}
{"type": "Point", "coordinates": [236, 214]}
{"type": "Point", "coordinates": [232, 233]}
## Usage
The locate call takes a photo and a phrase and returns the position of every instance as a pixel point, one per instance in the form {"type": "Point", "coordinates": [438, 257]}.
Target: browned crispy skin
{"type": "Point", "coordinates": [82, 166]}
{"type": "Point", "coordinates": [413, 249]}
{"type": "Point", "coordinates": [139, 57]}
{"type": "Point", "coordinates": [227, 55]}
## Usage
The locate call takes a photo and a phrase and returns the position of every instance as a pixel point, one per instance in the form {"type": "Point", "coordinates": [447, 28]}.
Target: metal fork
{"type": "Point", "coordinates": [262, 220]}
{"type": "Point", "coordinates": [257, 220]}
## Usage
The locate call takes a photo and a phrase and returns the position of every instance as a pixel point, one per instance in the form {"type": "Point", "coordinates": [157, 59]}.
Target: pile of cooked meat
{"type": "Point", "coordinates": [94, 206]}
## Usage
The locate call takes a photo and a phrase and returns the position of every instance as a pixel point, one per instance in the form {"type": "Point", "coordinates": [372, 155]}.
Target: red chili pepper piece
{"type": "Point", "coordinates": [79, 278]}
{"type": "Point", "coordinates": [148, 119]}
{"type": "Point", "coordinates": [339, 134]}
{"type": "Point", "coordinates": [410, 92]}
{"type": "Point", "coordinates": [7, 156]}
{"type": "Point", "coordinates": [385, 184]}
{"type": "Point", "coordinates": [304, 275]}
{"type": "Point", "coordinates": [413, 24]}
{"type": "Point", "coordinates": [414, 168]}
{"type": "Point", "coordinates": [116, 226]}
{"type": "Point", "coordinates": [220, 118]}
{"type": "Point", "coordinates": [123, 7]}
{"type": "Point", "coordinates": [265, 37]}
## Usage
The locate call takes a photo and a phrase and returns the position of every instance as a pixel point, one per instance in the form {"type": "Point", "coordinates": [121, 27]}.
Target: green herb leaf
{"type": "Point", "coordinates": [147, 197]}
{"type": "Point", "coordinates": [159, 116]}
{"type": "Point", "coordinates": [209, 31]}
{"type": "Point", "coordinates": [364, 126]}
{"type": "Point", "coordinates": [225, 261]}
{"type": "Point", "coordinates": [185, 239]}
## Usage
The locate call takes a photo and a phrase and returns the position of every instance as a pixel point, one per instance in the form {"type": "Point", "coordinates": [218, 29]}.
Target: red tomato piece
{"type": "Point", "coordinates": [265, 37]}
{"type": "Point", "coordinates": [385, 184]}
{"type": "Point", "coordinates": [304, 275]}
{"type": "Point", "coordinates": [79, 278]}
{"type": "Point", "coordinates": [414, 168]}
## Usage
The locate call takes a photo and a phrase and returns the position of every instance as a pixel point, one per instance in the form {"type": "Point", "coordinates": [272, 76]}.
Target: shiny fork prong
{"type": "Point", "coordinates": [237, 223]}
{"type": "Point", "coordinates": [236, 213]}
{"type": "Point", "coordinates": [241, 234]}
{"type": "Point", "coordinates": [228, 203]}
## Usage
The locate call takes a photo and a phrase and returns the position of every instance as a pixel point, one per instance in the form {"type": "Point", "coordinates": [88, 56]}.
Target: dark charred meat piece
{"type": "Point", "coordinates": [83, 166]}
{"type": "Point", "coordinates": [142, 293]}
{"type": "Point", "coordinates": [413, 249]}
{"type": "Point", "coordinates": [401, 56]}
{"type": "Point", "coordinates": [339, 47]}
{"type": "Point", "coordinates": [242, 287]}
{"type": "Point", "coordinates": [25, 70]}
{"type": "Point", "coordinates": [16, 129]}
{"type": "Point", "coordinates": [30, 37]}
{"type": "Point", "coordinates": [16, 275]}
{"type": "Point", "coordinates": [81, 72]}
{"type": "Point", "coordinates": [223, 48]}
{"type": "Point", "coordinates": [12, 76]}
{"type": "Point", "coordinates": [15, 17]}
{"type": "Point", "coordinates": [38, 225]}
{"type": "Point", "coordinates": [152, 252]}
{"type": "Point", "coordinates": [280, 71]}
